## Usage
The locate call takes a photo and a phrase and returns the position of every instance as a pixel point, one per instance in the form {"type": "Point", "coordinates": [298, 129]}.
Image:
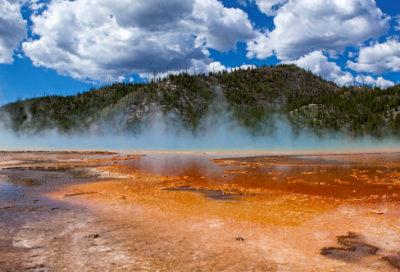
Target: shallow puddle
{"type": "Point", "coordinates": [330, 176]}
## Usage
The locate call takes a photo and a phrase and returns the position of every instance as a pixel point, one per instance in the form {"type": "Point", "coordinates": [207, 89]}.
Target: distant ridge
{"type": "Point", "coordinates": [254, 96]}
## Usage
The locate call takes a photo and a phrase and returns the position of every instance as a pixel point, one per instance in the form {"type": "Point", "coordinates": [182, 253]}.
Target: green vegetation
{"type": "Point", "coordinates": [254, 96]}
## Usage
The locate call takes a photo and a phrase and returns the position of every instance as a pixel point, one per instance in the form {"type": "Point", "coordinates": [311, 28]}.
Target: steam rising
{"type": "Point", "coordinates": [218, 131]}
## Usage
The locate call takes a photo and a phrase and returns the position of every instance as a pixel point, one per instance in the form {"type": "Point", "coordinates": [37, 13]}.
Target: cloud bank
{"type": "Point", "coordinates": [302, 26]}
{"type": "Point", "coordinates": [319, 64]}
{"type": "Point", "coordinates": [397, 27]}
{"type": "Point", "coordinates": [12, 29]}
{"type": "Point", "coordinates": [378, 58]}
{"type": "Point", "coordinates": [99, 39]}
{"type": "Point", "coordinates": [270, 7]}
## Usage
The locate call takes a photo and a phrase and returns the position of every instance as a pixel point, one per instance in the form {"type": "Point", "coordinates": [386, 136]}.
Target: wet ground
{"type": "Point", "coordinates": [199, 212]}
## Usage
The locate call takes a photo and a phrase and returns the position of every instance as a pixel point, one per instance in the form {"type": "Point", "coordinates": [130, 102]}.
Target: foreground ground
{"type": "Point", "coordinates": [183, 212]}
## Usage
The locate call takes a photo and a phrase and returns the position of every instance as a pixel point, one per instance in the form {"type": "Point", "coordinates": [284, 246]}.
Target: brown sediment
{"type": "Point", "coordinates": [326, 183]}
{"type": "Point", "coordinates": [28, 153]}
{"type": "Point", "coordinates": [217, 161]}
{"type": "Point", "coordinates": [342, 182]}
{"type": "Point", "coordinates": [82, 193]}
{"type": "Point", "coordinates": [262, 164]}
{"type": "Point", "coordinates": [61, 162]}
{"type": "Point", "coordinates": [351, 245]}
{"type": "Point", "coordinates": [393, 178]}
{"type": "Point", "coordinates": [48, 166]}
{"type": "Point", "coordinates": [273, 160]}
{"type": "Point", "coordinates": [176, 204]}
{"type": "Point", "coordinates": [376, 212]}
{"type": "Point", "coordinates": [254, 181]}
{"type": "Point", "coordinates": [348, 245]}
{"type": "Point", "coordinates": [112, 159]}
{"type": "Point", "coordinates": [147, 189]}
{"type": "Point", "coordinates": [392, 261]}
{"type": "Point", "coordinates": [297, 181]}
{"type": "Point", "coordinates": [235, 172]}
{"type": "Point", "coordinates": [135, 156]}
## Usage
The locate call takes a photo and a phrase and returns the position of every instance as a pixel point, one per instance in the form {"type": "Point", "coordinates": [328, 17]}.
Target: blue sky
{"type": "Point", "coordinates": [62, 47]}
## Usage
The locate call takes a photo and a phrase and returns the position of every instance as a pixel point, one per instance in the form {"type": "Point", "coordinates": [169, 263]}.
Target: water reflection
{"type": "Point", "coordinates": [322, 175]}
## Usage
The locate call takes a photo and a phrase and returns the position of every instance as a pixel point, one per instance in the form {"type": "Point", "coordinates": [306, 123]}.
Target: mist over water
{"type": "Point", "coordinates": [220, 137]}
{"type": "Point", "coordinates": [218, 131]}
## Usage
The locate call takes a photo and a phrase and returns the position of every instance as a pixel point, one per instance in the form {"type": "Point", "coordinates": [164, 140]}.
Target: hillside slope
{"type": "Point", "coordinates": [309, 102]}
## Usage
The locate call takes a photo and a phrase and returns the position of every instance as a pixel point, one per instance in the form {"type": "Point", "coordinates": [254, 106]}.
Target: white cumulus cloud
{"type": "Point", "coordinates": [98, 39]}
{"type": "Point", "coordinates": [216, 66]}
{"type": "Point", "coordinates": [378, 82]}
{"type": "Point", "coordinates": [397, 27]}
{"type": "Point", "coordinates": [319, 64]}
{"type": "Point", "coordinates": [12, 29]}
{"type": "Point", "coordinates": [378, 58]}
{"type": "Point", "coordinates": [270, 7]}
{"type": "Point", "coordinates": [199, 68]}
{"type": "Point", "coordinates": [302, 26]}
{"type": "Point", "coordinates": [242, 2]}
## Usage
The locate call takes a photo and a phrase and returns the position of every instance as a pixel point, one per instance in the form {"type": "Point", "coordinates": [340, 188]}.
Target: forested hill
{"type": "Point", "coordinates": [253, 96]}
